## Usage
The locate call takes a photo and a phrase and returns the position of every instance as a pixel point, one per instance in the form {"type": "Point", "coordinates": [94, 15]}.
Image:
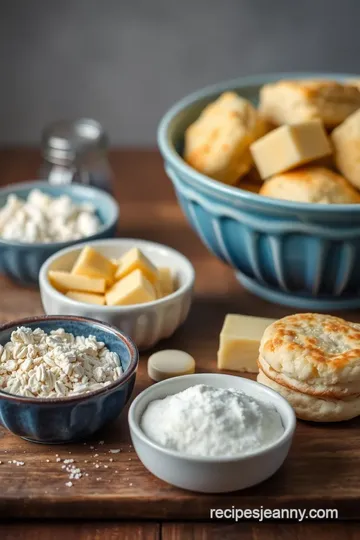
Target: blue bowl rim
{"type": "Point", "coordinates": [169, 153]}
{"type": "Point", "coordinates": [134, 359]}
{"type": "Point", "coordinates": [38, 184]}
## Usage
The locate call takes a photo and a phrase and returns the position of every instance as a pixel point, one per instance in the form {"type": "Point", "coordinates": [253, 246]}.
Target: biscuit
{"type": "Point", "coordinates": [289, 101]}
{"type": "Point", "coordinates": [217, 143]}
{"type": "Point", "coordinates": [314, 348]}
{"type": "Point", "coordinates": [311, 185]}
{"type": "Point", "coordinates": [346, 143]}
{"type": "Point", "coordinates": [313, 408]}
{"type": "Point", "coordinates": [311, 388]}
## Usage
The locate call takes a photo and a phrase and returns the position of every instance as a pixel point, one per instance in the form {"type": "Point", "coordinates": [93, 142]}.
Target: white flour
{"type": "Point", "coordinates": [207, 421]}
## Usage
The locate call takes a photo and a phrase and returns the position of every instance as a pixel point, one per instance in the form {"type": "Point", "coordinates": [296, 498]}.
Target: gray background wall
{"type": "Point", "coordinates": [125, 62]}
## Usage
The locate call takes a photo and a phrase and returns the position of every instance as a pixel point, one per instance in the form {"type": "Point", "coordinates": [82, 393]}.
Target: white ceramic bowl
{"type": "Point", "coordinates": [146, 323]}
{"type": "Point", "coordinates": [205, 474]}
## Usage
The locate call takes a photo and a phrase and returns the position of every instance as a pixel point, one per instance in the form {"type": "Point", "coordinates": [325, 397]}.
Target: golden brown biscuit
{"type": "Point", "coordinates": [312, 408]}
{"type": "Point", "coordinates": [314, 387]}
{"type": "Point", "coordinates": [314, 348]}
{"type": "Point", "coordinates": [346, 142]}
{"type": "Point", "coordinates": [311, 185]}
{"type": "Point", "coordinates": [291, 101]}
{"type": "Point", "coordinates": [217, 143]}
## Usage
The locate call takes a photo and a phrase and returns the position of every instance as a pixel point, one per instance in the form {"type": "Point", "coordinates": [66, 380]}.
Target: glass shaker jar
{"type": "Point", "coordinates": [76, 151]}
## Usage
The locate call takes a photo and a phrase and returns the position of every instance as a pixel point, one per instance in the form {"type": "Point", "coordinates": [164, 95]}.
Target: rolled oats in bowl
{"type": "Point", "coordinates": [55, 365]}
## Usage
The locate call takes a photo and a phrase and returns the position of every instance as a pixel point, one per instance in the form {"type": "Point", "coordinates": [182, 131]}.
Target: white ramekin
{"type": "Point", "coordinates": [209, 474]}
{"type": "Point", "coordinates": [146, 323]}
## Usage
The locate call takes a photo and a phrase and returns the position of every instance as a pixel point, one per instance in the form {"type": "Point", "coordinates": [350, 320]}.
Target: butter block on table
{"type": "Point", "coordinates": [135, 288]}
{"type": "Point", "coordinates": [88, 298]}
{"type": "Point", "coordinates": [65, 281]}
{"type": "Point", "coordinates": [290, 146]}
{"type": "Point", "coordinates": [135, 259]}
{"type": "Point", "coordinates": [240, 341]}
{"type": "Point", "coordinates": [92, 264]}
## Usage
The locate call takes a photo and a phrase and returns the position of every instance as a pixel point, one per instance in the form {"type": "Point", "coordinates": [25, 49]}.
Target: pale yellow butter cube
{"type": "Point", "coordinates": [136, 260]}
{"type": "Point", "coordinates": [135, 288]}
{"type": "Point", "coordinates": [346, 141]}
{"type": "Point", "coordinates": [290, 146]}
{"type": "Point", "coordinates": [166, 281]}
{"type": "Point", "coordinates": [64, 281]}
{"type": "Point", "coordinates": [239, 342]}
{"type": "Point", "coordinates": [88, 298]}
{"type": "Point", "coordinates": [92, 264]}
{"type": "Point", "coordinates": [158, 290]}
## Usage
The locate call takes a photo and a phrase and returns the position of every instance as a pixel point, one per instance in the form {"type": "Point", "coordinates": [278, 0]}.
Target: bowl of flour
{"type": "Point", "coordinates": [211, 433]}
{"type": "Point", "coordinates": [38, 219]}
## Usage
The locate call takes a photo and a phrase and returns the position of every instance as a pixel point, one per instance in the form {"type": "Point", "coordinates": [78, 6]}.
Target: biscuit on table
{"type": "Point", "coordinates": [346, 143]}
{"type": "Point", "coordinates": [313, 361]}
{"type": "Point", "coordinates": [314, 348]}
{"type": "Point", "coordinates": [312, 408]}
{"type": "Point", "coordinates": [311, 185]}
{"type": "Point", "coordinates": [217, 143]}
{"type": "Point", "coordinates": [313, 387]}
{"type": "Point", "coordinates": [290, 101]}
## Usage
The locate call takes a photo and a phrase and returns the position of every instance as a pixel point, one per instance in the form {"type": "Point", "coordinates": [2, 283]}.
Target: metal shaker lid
{"type": "Point", "coordinates": [69, 140]}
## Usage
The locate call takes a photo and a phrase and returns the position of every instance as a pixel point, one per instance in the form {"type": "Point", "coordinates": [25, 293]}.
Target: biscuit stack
{"type": "Point", "coordinates": [313, 361]}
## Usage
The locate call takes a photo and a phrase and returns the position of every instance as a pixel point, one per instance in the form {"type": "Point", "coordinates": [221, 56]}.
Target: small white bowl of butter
{"type": "Point", "coordinates": [146, 323]}
{"type": "Point", "coordinates": [212, 473]}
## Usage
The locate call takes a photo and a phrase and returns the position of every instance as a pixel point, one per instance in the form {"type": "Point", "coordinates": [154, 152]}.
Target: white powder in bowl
{"type": "Point", "coordinates": [207, 421]}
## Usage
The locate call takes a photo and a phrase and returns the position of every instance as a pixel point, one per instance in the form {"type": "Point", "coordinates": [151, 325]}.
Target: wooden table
{"type": "Point", "coordinates": [323, 467]}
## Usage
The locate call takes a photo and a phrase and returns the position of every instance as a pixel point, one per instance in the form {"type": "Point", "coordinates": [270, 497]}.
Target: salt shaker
{"type": "Point", "coordinates": [76, 151]}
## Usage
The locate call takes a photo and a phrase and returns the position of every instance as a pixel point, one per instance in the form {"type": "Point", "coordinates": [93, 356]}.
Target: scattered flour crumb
{"type": "Point", "coordinates": [114, 450]}
{"type": "Point", "coordinates": [68, 484]}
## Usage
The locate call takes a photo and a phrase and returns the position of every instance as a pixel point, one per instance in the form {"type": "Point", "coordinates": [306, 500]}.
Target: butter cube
{"type": "Point", "coordinates": [88, 298]}
{"type": "Point", "coordinates": [158, 290]}
{"type": "Point", "coordinates": [346, 141]}
{"type": "Point", "coordinates": [166, 282]}
{"type": "Point", "coordinates": [92, 264]}
{"type": "Point", "coordinates": [134, 288]}
{"type": "Point", "coordinates": [289, 146]}
{"type": "Point", "coordinates": [240, 341]}
{"type": "Point", "coordinates": [64, 281]}
{"type": "Point", "coordinates": [136, 260]}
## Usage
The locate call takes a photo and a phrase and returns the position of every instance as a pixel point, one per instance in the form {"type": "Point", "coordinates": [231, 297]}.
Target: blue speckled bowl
{"type": "Point", "coordinates": [22, 261]}
{"type": "Point", "coordinates": [299, 254]}
{"type": "Point", "coordinates": [60, 420]}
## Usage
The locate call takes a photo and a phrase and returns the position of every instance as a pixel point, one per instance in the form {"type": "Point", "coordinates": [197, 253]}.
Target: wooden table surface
{"type": "Point", "coordinates": [322, 470]}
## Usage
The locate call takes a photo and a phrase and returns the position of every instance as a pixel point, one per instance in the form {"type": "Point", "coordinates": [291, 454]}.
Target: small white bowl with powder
{"type": "Point", "coordinates": [211, 432]}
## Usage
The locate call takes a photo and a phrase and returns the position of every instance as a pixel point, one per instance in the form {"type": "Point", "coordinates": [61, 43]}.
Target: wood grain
{"type": "Point", "coordinates": [261, 531]}
{"type": "Point", "coordinates": [80, 531]}
{"type": "Point", "coordinates": [323, 468]}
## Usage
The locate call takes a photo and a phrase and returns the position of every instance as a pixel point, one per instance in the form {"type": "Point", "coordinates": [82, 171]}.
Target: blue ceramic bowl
{"type": "Point", "coordinates": [22, 261]}
{"type": "Point", "coordinates": [60, 420]}
{"type": "Point", "coordinates": [299, 254]}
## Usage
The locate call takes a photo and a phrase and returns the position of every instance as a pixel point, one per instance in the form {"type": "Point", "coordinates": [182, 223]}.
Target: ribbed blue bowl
{"type": "Point", "coordinates": [22, 261]}
{"type": "Point", "coordinates": [60, 420]}
{"type": "Point", "coordinates": [298, 254]}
